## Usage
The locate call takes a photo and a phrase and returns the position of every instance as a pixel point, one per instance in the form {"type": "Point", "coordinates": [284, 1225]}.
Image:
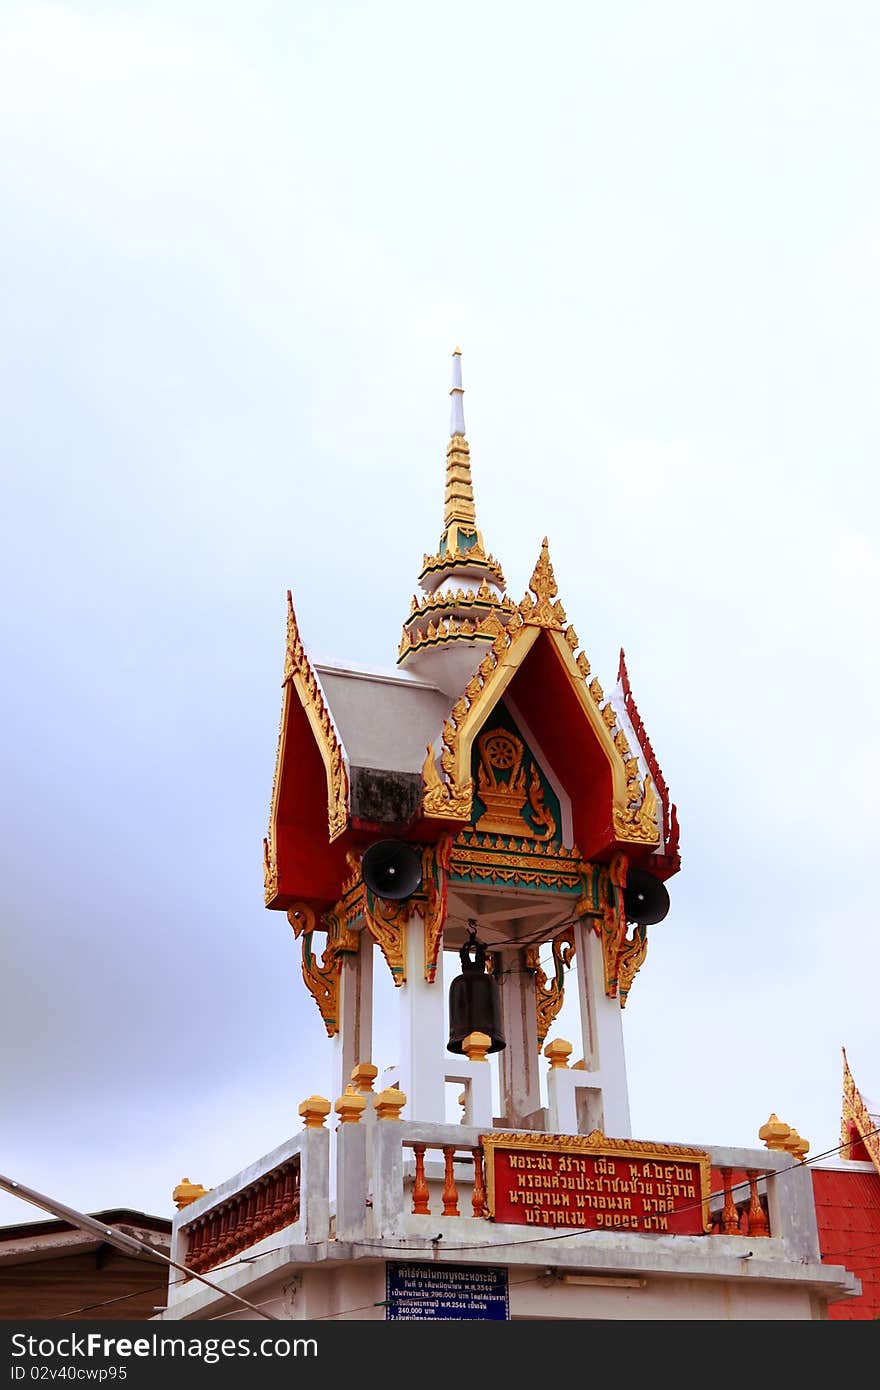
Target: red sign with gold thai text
{"type": "Point", "coordinates": [596, 1183]}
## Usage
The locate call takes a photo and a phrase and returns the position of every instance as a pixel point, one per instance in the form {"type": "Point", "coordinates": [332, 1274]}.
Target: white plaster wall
{"type": "Point", "coordinates": [355, 1292]}
{"type": "Point", "coordinates": [658, 1300]}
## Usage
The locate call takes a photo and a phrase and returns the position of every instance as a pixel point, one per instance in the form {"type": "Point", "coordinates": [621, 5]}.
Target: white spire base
{"type": "Point", "coordinates": [456, 419]}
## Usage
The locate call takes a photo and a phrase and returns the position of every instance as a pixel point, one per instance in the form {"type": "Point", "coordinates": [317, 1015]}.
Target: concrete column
{"type": "Point", "coordinates": [475, 1074]}
{"type": "Point", "coordinates": [520, 1085]}
{"type": "Point", "coordinates": [353, 1042]}
{"type": "Point", "coordinates": [388, 1194]}
{"type": "Point", "coordinates": [602, 1035]}
{"type": "Point", "coordinates": [363, 1076]}
{"type": "Point", "coordinates": [574, 1103]}
{"type": "Point", "coordinates": [423, 1033]}
{"type": "Point", "coordinates": [351, 1167]}
{"type": "Point", "coordinates": [314, 1191]}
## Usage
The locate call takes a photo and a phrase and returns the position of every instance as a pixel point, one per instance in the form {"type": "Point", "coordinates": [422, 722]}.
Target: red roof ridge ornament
{"type": "Point", "coordinates": [669, 861]}
{"type": "Point", "coordinates": [858, 1124]}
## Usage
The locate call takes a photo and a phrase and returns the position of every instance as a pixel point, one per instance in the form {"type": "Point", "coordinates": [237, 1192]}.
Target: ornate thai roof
{"type": "Point", "coordinates": [365, 752]}
{"type": "Point", "coordinates": [537, 655]}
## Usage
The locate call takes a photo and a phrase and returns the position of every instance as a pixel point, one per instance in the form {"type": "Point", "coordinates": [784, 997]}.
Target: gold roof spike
{"type": "Point", "coordinates": [461, 574]}
{"type": "Point", "coordinates": [460, 534]}
{"type": "Point", "coordinates": [459, 488]}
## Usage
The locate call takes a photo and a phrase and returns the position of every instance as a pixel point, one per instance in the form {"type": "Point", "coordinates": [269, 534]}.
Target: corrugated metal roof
{"type": "Point", "coordinates": [848, 1217]}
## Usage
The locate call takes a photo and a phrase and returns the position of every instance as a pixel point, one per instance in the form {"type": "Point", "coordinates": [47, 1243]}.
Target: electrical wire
{"type": "Point", "coordinates": [235, 1312]}
{"type": "Point", "coordinates": [153, 1288]}
{"type": "Point", "coordinates": [537, 937]}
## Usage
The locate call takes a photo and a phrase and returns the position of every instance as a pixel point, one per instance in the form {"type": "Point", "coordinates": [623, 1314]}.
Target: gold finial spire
{"type": "Point", "coordinates": [466, 607]}
{"type": "Point", "coordinates": [459, 488]}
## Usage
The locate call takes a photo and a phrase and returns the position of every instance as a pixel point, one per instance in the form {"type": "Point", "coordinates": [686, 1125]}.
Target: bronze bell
{"type": "Point", "coordinates": [474, 1001]}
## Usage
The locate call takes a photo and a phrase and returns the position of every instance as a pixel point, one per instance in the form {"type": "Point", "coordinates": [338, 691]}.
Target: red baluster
{"type": "Point", "coordinates": [757, 1216]}
{"type": "Point", "coordinates": [250, 1217]}
{"type": "Point", "coordinates": [420, 1192]}
{"type": "Point", "coordinates": [269, 1216]}
{"type": "Point", "coordinates": [269, 1210]}
{"type": "Point", "coordinates": [290, 1195]}
{"type": "Point", "coordinates": [450, 1193]}
{"type": "Point", "coordinates": [195, 1241]}
{"type": "Point", "coordinates": [265, 1221]}
{"type": "Point", "coordinates": [478, 1199]}
{"type": "Point", "coordinates": [218, 1254]}
{"type": "Point", "coordinates": [237, 1213]}
{"type": "Point", "coordinates": [209, 1252]}
{"type": "Point", "coordinates": [201, 1236]}
{"type": "Point", "coordinates": [259, 1211]}
{"type": "Point", "coordinates": [278, 1203]}
{"type": "Point", "coordinates": [729, 1214]}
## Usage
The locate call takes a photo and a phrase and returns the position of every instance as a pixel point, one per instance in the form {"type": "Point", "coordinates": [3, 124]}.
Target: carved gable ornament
{"type": "Point", "coordinates": [449, 788]}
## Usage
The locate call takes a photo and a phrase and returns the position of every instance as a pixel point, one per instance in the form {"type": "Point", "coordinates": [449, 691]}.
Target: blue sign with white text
{"type": "Point", "coordinates": [431, 1291]}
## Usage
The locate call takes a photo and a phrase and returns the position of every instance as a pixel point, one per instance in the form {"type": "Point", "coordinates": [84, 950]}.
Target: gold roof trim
{"type": "Point", "coordinates": [451, 630]}
{"type": "Point", "coordinates": [300, 677]}
{"type": "Point", "coordinates": [458, 598]}
{"type": "Point", "coordinates": [270, 844]}
{"type": "Point", "coordinates": [475, 558]}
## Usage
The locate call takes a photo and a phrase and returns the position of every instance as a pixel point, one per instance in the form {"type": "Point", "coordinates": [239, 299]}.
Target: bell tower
{"type": "Point", "coordinates": [486, 805]}
{"type": "Point", "coordinates": [486, 799]}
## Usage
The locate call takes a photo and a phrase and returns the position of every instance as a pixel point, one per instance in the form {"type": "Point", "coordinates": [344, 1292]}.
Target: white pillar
{"type": "Point", "coordinates": [476, 1078]}
{"type": "Point", "coordinates": [574, 1103]}
{"type": "Point", "coordinates": [351, 1181]}
{"type": "Point", "coordinates": [314, 1184]}
{"type": "Point", "coordinates": [602, 1033]}
{"type": "Point", "coordinates": [353, 1042]}
{"type": "Point", "coordinates": [423, 1035]}
{"type": "Point", "coordinates": [388, 1196]}
{"type": "Point", "coordinates": [520, 1084]}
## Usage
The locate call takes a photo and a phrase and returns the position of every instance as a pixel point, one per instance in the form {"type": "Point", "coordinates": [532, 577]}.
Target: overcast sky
{"type": "Point", "coordinates": [237, 245]}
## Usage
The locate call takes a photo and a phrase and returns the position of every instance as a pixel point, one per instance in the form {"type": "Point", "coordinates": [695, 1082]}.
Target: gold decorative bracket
{"type": "Point", "coordinates": [431, 902]}
{"type": "Point", "coordinates": [549, 998]}
{"type": "Point", "coordinates": [322, 980]}
{"type": "Point", "coordinates": [622, 957]}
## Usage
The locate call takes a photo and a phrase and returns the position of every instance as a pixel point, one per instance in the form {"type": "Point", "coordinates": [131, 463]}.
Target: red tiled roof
{"type": "Point", "coordinates": [848, 1216]}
